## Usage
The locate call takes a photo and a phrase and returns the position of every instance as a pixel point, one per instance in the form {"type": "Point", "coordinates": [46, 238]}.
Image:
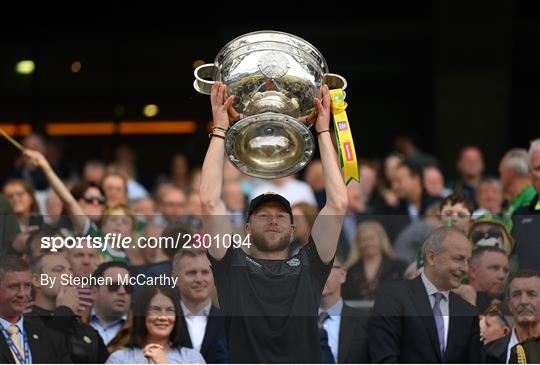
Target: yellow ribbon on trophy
{"type": "Point", "coordinates": [346, 151]}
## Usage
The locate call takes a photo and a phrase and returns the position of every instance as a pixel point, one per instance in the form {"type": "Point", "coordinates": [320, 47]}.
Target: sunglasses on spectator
{"type": "Point", "coordinates": [89, 198]}
{"type": "Point", "coordinates": [113, 288]}
{"type": "Point", "coordinates": [490, 233]}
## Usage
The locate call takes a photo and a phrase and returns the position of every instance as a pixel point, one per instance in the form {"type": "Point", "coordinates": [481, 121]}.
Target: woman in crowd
{"type": "Point", "coordinates": [23, 201]}
{"type": "Point", "coordinates": [371, 262]}
{"type": "Point", "coordinates": [157, 333]}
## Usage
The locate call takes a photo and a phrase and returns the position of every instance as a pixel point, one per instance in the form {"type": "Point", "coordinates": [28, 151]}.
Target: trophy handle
{"type": "Point", "coordinates": [334, 81]}
{"type": "Point", "coordinates": [202, 73]}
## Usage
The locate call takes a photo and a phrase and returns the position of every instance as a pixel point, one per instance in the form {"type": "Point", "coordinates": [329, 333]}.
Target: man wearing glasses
{"type": "Point", "coordinates": [110, 314]}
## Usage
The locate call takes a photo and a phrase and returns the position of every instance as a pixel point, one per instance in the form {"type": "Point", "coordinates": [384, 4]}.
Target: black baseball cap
{"type": "Point", "coordinates": [267, 198]}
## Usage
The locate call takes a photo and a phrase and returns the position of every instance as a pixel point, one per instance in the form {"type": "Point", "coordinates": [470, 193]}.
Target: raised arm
{"type": "Point", "coordinates": [214, 216]}
{"type": "Point", "coordinates": [327, 226]}
{"type": "Point", "coordinates": [76, 214]}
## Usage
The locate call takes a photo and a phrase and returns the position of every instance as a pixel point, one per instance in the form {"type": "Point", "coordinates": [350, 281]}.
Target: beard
{"type": "Point", "coordinates": [261, 242]}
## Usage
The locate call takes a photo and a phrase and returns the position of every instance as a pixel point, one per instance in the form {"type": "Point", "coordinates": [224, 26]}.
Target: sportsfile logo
{"type": "Point", "coordinates": [342, 126]}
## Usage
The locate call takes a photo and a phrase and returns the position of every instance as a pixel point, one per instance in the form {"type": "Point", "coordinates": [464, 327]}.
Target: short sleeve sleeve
{"type": "Point", "coordinates": [319, 270]}
{"type": "Point", "coordinates": [221, 269]}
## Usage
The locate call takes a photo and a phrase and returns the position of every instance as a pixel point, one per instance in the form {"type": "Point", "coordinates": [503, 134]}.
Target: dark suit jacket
{"type": "Point", "coordinates": [352, 348]}
{"type": "Point", "coordinates": [402, 327]}
{"type": "Point", "coordinates": [496, 351]}
{"type": "Point", "coordinates": [214, 345]}
{"type": "Point", "coordinates": [352, 289]}
{"type": "Point", "coordinates": [46, 345]}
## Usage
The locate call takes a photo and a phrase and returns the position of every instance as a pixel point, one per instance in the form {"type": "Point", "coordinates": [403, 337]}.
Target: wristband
{"type": "Point", "coordinates": [216, 135]}
{"type": "Point", "coordinates": [325, 130]}
{"type": "Point", "coordinates": [220, 129]}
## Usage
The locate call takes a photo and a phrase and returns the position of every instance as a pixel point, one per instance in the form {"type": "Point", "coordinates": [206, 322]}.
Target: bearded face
{"type": "Point", "coordinates": [270, 228]}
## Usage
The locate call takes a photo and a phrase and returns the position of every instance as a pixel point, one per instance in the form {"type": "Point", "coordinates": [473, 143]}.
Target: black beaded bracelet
{"type": "Point", "coordinates": [220, 129]}
{"type": "Point", "coordinates": [216, 135]}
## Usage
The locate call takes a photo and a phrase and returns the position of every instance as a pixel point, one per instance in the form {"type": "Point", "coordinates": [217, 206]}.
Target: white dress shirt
{"type": "Point", "coordinates": [332, 325]}
{"type": "Point", "coordinates": [431, 290]}
{"type": "Point", "coordinates": [196, 324]}
{"type": "Point", "coordinates": [513, 342]}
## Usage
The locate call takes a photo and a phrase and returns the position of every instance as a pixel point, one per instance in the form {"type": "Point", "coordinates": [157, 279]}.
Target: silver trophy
{"type": "Point", "coordinates": [275, 76]}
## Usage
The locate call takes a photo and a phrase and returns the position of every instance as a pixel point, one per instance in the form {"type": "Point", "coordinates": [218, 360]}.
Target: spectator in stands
{"type": "Point", "coordinates": [489, 197]}
{"type": "Point", "coordinates": [179, 176]}
{"type": "Point", "coordinates": [57, 305]}
{"type": "Point", "coordinates": [470, 166]}
{"type": "Point", "coordinates": [517, 187]}
{"type": "Point", "coordinates": [93, 171]}
{"type": "Point", "coordinates": [408, 244]}
{"type": "Point", "coordinates": [526, 221]}
{"type": "Point", "coordinates": [171, 203]}
{"type": "Point", "coordinates": [313, 176]}
{"type": "Point", "coordinates": [119, 220]}
{"type": "Point", "coordinates": [456, 211]}
{"type": "Point", "coordinates": [23, 341]}
{"type": "Point", "coordinates": [494, 324]}
{"type": "Point", "coordinates": [371, 262]}
{"type": "Point", "coordinates": [22, 199]}
{"type": "Point", "coordinates": [402, 310]}
{"type": "Point", "coordinates": [434, 182]}
{"type": "Point", "coordinates": [235, 202]}
{"type": "Point", "coordinates": [84, 261]}
{"type": "Point", "coordinates": [488, 271]}
{"type": "Point", "coordinates": [26, 171]}
{"type": "Point", "coordinates": [489, 230]}
{"type": "Point", "coordinates": [407, 144]}
{"type": "Point", "coordinates": [53, 209]}
{"type": "Point", "coordinates": [11, 240]}
{"type": "Point", "coordinates": [204, 325]}
{"type": "Point", "coordinates": [135, 190]}
{"type": "Point", "coordinates": [356, 209]}
{"type": "Point", "coordinates": [145, 211]}
{"type": "Point", "coordinates": [524, 304]}
{"type": "Point", "coordinates": [115, 188]}
{"type": "Point", "coordinates": [91, 198]}
{"type": "Point", "coordinates": [414, 200]}
{"type": "Point", "coordinates": [343, 329]}
{"type": "Point", "coordinates": [110, 314]}
{"type": "Point", "coordinates": [157, 336]}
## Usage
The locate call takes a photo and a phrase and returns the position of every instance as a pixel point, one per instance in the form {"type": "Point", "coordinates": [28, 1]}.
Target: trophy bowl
{"type": "Point", "coordinates": [275, 76]}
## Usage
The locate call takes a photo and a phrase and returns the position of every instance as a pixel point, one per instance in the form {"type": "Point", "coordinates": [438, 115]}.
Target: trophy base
{"type": "Point", "coordinates": [269, 145]}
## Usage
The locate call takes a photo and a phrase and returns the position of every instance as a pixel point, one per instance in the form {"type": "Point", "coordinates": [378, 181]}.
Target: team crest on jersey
{"type": "Point", "coordinates": [293, 262]}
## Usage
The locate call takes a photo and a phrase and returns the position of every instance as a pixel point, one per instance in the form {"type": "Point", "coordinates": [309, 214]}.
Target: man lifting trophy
{"type": "Point", "coordinates": [274, 78]}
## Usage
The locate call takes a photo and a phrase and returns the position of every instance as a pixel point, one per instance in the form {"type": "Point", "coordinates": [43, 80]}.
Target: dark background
{"type": "Point", "coordinates": [453, 73]}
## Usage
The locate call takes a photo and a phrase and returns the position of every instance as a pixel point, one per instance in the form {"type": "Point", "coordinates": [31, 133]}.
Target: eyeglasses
{"type": "Point", "coordinates": [493, 232]}
{"type": "Point", "coordinates": [158, 311]}
{"type": "Point", "coordinates": [114, 287]}
{"type": "Point", "coordinates": [89, 198]}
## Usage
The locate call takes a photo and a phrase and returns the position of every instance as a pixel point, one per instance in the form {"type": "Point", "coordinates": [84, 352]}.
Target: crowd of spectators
{"type": "Point", "coordinates": [398, 203]}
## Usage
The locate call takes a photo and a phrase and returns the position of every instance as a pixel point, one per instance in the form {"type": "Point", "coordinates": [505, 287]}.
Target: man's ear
{"type": "Point", "coordinates": [35, 281]}
{"type": "Point", "coordinates": [430, 258]}
{"type": "Point", "coordinates": [248, 228]}
{"type": "Point", "coordinates": [343, 275]}
{"type": "Point", "coordinates": [506, 330]}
